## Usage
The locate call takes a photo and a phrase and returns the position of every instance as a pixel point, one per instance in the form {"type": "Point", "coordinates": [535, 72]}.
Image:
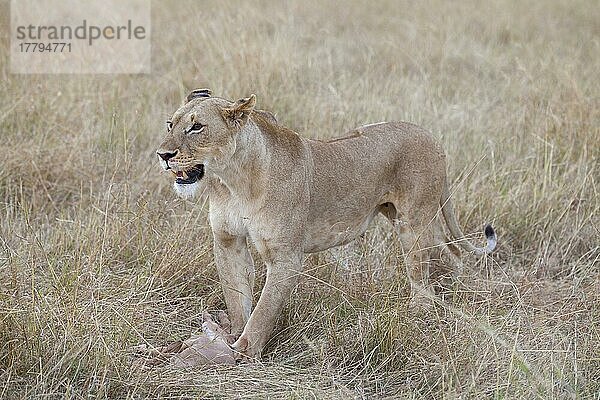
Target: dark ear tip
{"type": "Point", "coordinates": [199, 93]}
{"type": "Point", "coordinates": [203, 91]}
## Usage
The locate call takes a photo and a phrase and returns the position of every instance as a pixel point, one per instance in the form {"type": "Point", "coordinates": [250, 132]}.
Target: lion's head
{"type": "Point", "coordinates": [201, 136]}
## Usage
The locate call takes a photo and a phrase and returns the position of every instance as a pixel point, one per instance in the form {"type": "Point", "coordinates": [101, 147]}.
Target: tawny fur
{"type": "Point", "coordinates": [288, 196]}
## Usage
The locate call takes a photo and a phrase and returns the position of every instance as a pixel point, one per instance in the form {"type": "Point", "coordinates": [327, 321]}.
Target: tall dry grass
{"type": "Point", "coordinates": [97, 254]}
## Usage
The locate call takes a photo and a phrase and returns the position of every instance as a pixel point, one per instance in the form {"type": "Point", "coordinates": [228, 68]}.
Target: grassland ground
{"type": "Point", "coordinates": [97, 254]}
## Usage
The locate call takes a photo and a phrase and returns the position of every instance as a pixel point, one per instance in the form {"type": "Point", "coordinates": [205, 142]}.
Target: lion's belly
{"type": "Point", "coordinates": [326, 232]}
{"type": "Point", "coordinates": [349, 183]}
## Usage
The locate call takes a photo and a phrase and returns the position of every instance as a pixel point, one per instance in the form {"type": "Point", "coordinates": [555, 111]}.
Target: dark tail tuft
{"type": "Point", "coordinates": [489, 232]}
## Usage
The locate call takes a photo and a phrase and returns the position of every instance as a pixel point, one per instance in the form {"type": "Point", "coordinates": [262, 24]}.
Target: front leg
{"type": "Point", "coordinates": [282, 276]}
{"type": "Point", "coordinates": [236, 272]}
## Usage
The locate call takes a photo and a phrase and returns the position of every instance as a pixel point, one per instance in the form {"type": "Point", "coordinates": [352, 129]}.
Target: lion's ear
{"type": "Point", "coordinates": [198, 93]}
{"type": "Point", "coordinates": [237, 115]}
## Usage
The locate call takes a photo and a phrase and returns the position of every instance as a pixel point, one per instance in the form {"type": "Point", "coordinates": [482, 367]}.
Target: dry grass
{"type": "Point", "coordinates": [97, 254]}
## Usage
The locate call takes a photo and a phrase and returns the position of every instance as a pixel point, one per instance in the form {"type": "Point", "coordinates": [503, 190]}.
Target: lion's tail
{"type": "Point", "coordinates": [450, 217]}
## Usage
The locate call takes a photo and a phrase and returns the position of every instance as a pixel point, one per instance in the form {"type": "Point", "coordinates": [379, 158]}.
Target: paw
{"type": "Point", "coordinates": [243, 352]}
{"type": "Point", "coordinates": [419, 304]}
{"type": "Point", "coordinates": [421, 300]}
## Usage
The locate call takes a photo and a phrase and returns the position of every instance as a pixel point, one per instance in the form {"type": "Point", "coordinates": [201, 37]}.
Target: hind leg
{"type": "Point", "coordinates": [416, 244]}
{"type": "Point", "coordinates": [446, 252]}
{"type": "Point", "coordinates": [419, 238]}
{"type": "Point", "coordinates": [415, 238]}
{"type": "Point", "coordinates": [432, 238]}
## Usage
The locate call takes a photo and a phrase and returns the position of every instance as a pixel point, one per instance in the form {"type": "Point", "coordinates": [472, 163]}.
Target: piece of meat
{"type": "Point", "coordinates": [210, 347]}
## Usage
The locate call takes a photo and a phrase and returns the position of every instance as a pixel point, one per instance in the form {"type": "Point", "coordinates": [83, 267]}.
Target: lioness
{"type": "Point", "coordinates": [289, 195]}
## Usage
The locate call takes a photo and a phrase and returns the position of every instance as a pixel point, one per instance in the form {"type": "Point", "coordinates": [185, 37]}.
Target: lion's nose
{"type": "Point", "coordinates": [167, 155]}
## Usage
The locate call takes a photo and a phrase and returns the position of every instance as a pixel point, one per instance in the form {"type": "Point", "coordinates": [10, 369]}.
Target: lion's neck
{"type": "Point", "coordinates": [246, 171]}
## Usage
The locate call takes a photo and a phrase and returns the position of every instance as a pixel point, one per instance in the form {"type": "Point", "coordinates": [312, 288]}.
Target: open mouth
{"type": "Point", "coordinates": [190, 176]}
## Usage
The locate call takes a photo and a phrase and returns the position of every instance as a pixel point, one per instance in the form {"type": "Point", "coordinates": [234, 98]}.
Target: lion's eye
{"type": "Point", "coordinates": [196, 128]}
{"type": "Point", "coordinates": [169, 126]}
